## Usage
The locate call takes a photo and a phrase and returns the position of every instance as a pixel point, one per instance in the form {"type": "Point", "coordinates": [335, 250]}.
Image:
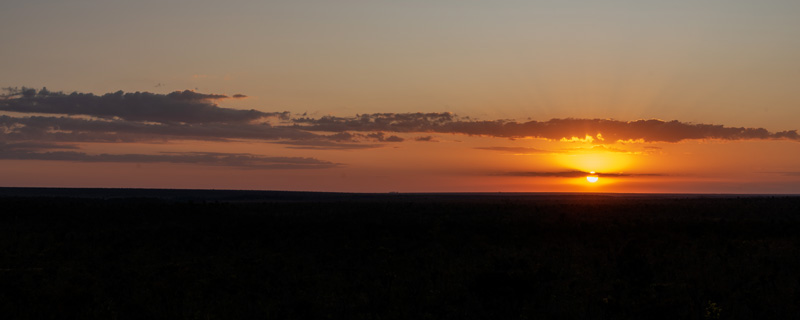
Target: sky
{"type": "Point", "coordinates": [402, 96]}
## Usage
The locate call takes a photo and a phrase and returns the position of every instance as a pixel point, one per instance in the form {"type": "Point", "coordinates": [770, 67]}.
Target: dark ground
{"type": "Point", "coordinates": [105, 253]}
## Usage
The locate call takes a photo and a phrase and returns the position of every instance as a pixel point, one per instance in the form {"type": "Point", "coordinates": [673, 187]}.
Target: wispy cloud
{"type": "Point", "coordinates": [241, 160]}
{"type": "Point", "coordinates": [516, 150]}
{"type": "Point", "coordinates": [380, 136]}
{"type": "Point", "coordinates": [34, 145]}
{"type": "Point", "coordinates": [786, 173]}
{"type": "Point", "coordinates": [326, 145]}
{"type": "Point", "coordinates": [596, 148]}
{"type": "Point", "coordinates": [573, 174]}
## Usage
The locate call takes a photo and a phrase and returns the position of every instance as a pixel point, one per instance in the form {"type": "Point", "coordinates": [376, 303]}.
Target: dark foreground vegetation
{"type": "Point", "coordinates": [218, 255]}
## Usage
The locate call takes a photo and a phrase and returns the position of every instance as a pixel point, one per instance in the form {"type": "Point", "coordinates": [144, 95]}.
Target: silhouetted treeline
{"type": "Point", "coordinates": [319, 256]}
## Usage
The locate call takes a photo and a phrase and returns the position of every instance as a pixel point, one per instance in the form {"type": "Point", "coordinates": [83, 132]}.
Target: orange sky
{"type": "Point", "coordinates": [370, 96]}
{"type": "Point", "coordinates": [441, 162]}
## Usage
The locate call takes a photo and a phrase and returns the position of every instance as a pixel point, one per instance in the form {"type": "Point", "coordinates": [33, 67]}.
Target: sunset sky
{"type": "Point", "coordinates": [410, 96]}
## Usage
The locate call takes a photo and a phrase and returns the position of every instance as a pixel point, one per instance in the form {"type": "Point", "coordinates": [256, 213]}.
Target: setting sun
{"type": "Point", "coordinates": [592, 178]}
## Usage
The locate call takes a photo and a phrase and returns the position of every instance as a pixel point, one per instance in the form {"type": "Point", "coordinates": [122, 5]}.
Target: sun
{"type": "Point", "coordinates": [592, 178]}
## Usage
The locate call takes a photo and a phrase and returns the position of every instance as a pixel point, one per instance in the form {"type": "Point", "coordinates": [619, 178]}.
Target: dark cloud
{"type": "Point", "coordinates": [241, 160]}
{"type": "Point", "coordinates": [176, 107]}
{"type": "Point", "coordinates": [555, 129]}
{"type": "Point", "coordinates": [85, 130]}
{"type": "Point", "coordinates": [67, 129]}
{"type": "Point", "coordinates": [239, 96]}
{"type": "Point", "coordinates": [425, 139]}
{"type": "Point", "coordinates": [186, 95]}
{"type": "Point", "coordinates": [392, 122]}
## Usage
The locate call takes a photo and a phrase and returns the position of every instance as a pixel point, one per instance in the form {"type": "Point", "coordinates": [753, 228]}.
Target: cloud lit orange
{"type": "Point", "coordinates": [145, 128]}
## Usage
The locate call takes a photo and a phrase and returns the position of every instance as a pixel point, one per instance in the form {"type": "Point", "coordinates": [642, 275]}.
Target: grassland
{"type": "Point", "coordinates": [132, 254]}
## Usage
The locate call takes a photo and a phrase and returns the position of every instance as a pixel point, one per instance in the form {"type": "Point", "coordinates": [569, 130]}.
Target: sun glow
{"type": "Point", "coordinates": [592, 178]}
{"type": "Point", "coordinates": [603, 162]}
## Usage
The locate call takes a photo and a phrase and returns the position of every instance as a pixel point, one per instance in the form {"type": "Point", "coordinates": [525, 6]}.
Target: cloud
{"type": "Point", "coordinates": [563, 174]}
{"type": "Point", "coordinates": [189, 115]}
{"type": "Point", "coordinates": [596, 148]}
{"type": "Point", "coordinates": [426, 139]}
{"type": "Point", "coordinates": [241, 160]}
{"type": "Point", "coordinates": [66, 129]}
{"type": "Point", "coordinates": [516, 150]}
{"type": "Point", "coordinates": [573, 174]}
{"type": "Point", "coordinates": [33, 145]}
{"type": "Point", "coordinates": [186, 95]}
{"type": "Point", "coordinates": [326, 145]}
{"type": "Point", "coordinates": [652, 130]}
{"type": "Point", "coordinates": [392, 122]}
{"type": "Point", "coordinates": [529, 150]}
{"type": "Point", "coordinates": [787, 173]}
{"type": "Point", "coordinates": [380, 136]}
{"type": "Point", "coordinates": [176, 107]}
